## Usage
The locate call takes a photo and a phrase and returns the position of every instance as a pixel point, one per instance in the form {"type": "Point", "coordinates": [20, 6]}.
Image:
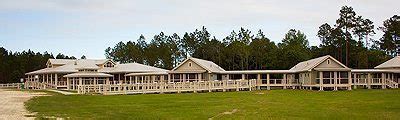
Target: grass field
{"type": "Point", "coordinates": [275, 104]}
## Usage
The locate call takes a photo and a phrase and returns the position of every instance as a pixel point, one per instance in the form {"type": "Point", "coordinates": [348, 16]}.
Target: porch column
{"type": "Point", "coordinates": [169, 78]}
{"type": "Point", "coordinates": [184, 77]}
{"type": "Point", "coordinates": [68, 84]}
{"type": "Point", "coordinates": [80, 81]}
{"type": "Point", "coordinates": [51, 79]}
{"type": "Point", "coordinates": [124, 78]}
{"type": "Point", "coordinates": [120, 80]}
{"type": "Point", "coordinates": [243, 76]}
{"type": "Point", "coordinates": [355, 80]}
{"type": "Point", "coordinates": [95, 81]}
{"type": "Point", "coordinates": [383, 81]}
{"type": "Point", "coordinates": [284, 81]}
{"type": "Point", "coordinates": [369, 81]}
{"type": "Point", "coordinates": [200, 76]}
{"type": "Point", "coordinates": [108, 80]}
{"type": "Point", "coordinates": [349, 80]}
{"type": "Point", "coordinates": [392, 77]}
{"type": "Point", "coordinates": [73, 83]}
{"type": "Point", "coordinates": [181, 77]}
{"type": "Point", "coordinates": [258, 81]}
{"type": "Point", "coordinates": [268, 84]}
{"type": "Point", "coordinates": [321, 80]}
{"type": "Point", "coordinates": [336, 80]}
{"type": "Point", "coordinates": [56, 80]}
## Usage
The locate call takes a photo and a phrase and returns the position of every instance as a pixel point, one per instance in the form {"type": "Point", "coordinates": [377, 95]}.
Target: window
{"type": "Point", "coordinates": [190, 64]}
{"type": "Point", "coordinates": [87, 70]}
{"type": "Point", "coordinates": [329, 61]}
{"type": "Point", "coordinates": [191, 76]}
{"type": "Point", "coordinates": [177, 76]}
{"type": "Point", "coordinates": [326, 74]}
{"type": "Point", "coordinates": [343, 74]}
{"type": "Point", "coordinates": [109, 64]}
{"type": "Point", "coordinates": [49, 66]}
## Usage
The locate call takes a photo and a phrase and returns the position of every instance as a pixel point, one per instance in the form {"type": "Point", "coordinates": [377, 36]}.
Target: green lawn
{"type": "Point", "coordinates": [275, 104]}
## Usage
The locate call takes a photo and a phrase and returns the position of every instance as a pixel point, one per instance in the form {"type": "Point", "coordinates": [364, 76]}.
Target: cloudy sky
{"type": "Point", "coordinates": [88, 27]}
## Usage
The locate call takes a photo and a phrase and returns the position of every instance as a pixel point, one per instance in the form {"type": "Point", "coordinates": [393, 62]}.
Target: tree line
{"type": "Point", "coordinates": [348, 40]}
{"type": "Point", "coordinates": [13, 65]}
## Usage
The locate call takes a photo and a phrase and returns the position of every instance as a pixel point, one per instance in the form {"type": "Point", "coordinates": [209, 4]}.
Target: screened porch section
{"type": "Point", "coordinates": [137, 79]}
{"type": "Point", "coordinates": [74, 82]}
{"type": "Point", "coordinates": [187, 77]}
{"type": "Point", "coordinates": [329, 77]}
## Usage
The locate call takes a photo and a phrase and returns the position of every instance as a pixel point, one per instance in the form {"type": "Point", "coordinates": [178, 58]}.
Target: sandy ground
{"type": "Point", "coordinates": [12, 104]}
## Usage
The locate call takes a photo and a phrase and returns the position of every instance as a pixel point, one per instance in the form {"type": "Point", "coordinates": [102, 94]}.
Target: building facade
{"type": "Point", "coordinates": [193, 74]}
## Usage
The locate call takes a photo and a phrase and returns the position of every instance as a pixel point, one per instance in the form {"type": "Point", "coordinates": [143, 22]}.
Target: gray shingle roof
{"type": "Point", "coordinates": [131, 68]}
{"type": "Point", "coordinates": [68, 61]}
{"type": "Point", "coordinates": [312, 63]}
{"type": "Point", "coordinates": [88, 74]}
{"type": "Point", "coordinates": [72, 66]}
{"type": "Point", "coordinates": [392, 63]}
{"type": "Point", "coordinates": [207, 65]}
{"type": "Point", "coordinates": [61, 61]}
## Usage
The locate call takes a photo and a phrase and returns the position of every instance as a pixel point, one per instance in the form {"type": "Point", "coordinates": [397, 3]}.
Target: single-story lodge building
{"type": "Point", "coordinates": [193, 74]}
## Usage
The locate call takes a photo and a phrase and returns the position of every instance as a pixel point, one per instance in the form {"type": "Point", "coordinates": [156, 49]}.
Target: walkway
{"type": "Point", "coordinates": [62, 92]}
{"type": "Point", "coordinates": [12, 104]}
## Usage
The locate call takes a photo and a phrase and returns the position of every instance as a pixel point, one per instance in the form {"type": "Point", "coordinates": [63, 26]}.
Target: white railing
{"type": "Point", "coordinates": [392, 84]}
{"type": "Point", "coordinates": [38, 85]}
{"type": "Point", "coordinates": [62, 83]}
{"type": "Point", "coordinates": [11, 85]}
{"type": "Point", "coordinates": [167, 87]}
{"type": "Point", "coordinates": [276, 81]}
{"type": "Point", "coordinates": [376, 80]}
{"type": "Point", "coordinates": [360, 81]}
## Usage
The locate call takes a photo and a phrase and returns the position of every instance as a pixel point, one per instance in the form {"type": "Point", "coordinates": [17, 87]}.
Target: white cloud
{"type": "Point", "coordinates": [80, 20]}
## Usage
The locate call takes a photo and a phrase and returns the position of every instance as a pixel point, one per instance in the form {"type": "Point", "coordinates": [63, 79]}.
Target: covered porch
{"type": "Point", "coordinates": [266, 79]}
{"type": "Point", "coordinates": [74, 80]}
{"type": "Point", "coordinates": [189, 76]}
{"type": "Point", "coordinates": [375, 78]}
{"type": "Point", "coordinates": [51, 80]}
{"type": "Point", "coordinates": [151, 77]}
{"type": "Point", "coordinates": [327, 79]}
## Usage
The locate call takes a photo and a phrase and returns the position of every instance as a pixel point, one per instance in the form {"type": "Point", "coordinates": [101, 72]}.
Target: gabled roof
{"type": "Point", "coordinates": [60, 61]}
{"type": "Point", "coordinates": [210, 66]}
{"type": "Point", "coordinates": [68, 61]}
{"type": "Point", "coordinates": [69, 67]}
{"type": "Point", "coordinates": [75, 65]}
{"type": "Point", "coordinates": [392, 63]}
{"type": "Point", "coordinates": [131, 68]}
{"type": "Point", "coordinates": [311, 64]}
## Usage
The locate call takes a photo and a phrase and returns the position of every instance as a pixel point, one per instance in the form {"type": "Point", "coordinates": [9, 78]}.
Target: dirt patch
{"type": "Point", "coordinates": [224, 113]}
{"type": "Point", "coordinates": [260, 93]}
{"type": "Point", "coordinates": [12, 104]}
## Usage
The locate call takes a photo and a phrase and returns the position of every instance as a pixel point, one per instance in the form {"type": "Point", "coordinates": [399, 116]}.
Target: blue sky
{"type": "Point", "coordinates": [88, 27]}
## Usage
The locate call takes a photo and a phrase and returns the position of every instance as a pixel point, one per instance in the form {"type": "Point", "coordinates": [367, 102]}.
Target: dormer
{"type": "Point", "coordinates": [49, 65]}
{"type": "Point", "coordinates": [105, 63]}
{"type": "Point", "coordinates": [109, 63]}
{"type": "Point", "coordinates": [53, 63]}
